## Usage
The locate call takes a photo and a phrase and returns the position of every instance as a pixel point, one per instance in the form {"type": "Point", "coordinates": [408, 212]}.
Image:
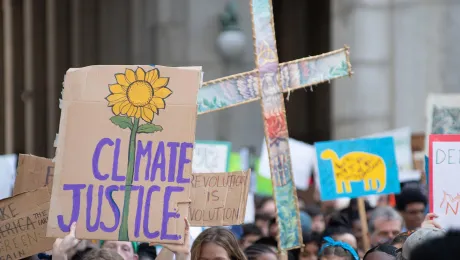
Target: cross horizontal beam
{"type": "Point", "coordinates": [243, 88]}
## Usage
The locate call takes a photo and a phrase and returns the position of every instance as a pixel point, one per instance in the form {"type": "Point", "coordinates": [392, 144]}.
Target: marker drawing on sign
{"type": "Point", "coordinates": [357, 167]}
{"type": "Point", "coordinates": [450, 202]}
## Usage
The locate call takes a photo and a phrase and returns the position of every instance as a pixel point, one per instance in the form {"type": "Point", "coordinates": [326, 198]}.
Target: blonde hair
{"type": "Point", "coordinates": [221, 237]}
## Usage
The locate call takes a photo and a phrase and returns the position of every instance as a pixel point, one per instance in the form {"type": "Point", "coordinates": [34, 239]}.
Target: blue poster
{"type": "Point", "coordinates": [356, 168]}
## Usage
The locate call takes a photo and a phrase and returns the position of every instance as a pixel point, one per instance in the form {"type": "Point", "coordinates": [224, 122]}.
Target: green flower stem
{"type": "Point", "coordinates": [123, 232]}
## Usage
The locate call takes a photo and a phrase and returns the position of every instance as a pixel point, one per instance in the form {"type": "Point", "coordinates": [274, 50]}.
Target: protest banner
{"type": "Point", "coordinates": [219, 199]}
{"type": "Point", "coordinates": [33, 172]}
{"type": "Point", "coordinates": [7, 174]}
{"type": "Point", "coordinates": [23, 220]}
{"type": "Point", "coordinates": [123, 158]}
{"type": "Point", "coordinates": [211, 156]}
{"type": "Point", "coordinates": [356, 168]}
{"type": "Point", "coordinates": [442, 113]}
{"type": "Point", "coordinates": [444, 191]}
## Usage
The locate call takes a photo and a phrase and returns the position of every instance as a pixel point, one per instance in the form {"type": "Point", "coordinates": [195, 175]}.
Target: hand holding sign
{"type": "Point", "coordinates": [430, 222]}
{"type": "Point", "coordinates": [62, 247]}
{"type": "Point", "coordinates": [180, 249]}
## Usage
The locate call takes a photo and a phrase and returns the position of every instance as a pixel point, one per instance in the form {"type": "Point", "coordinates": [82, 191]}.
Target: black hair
{"type": "Point", "coordinates": [269, 241]}
{"type": "Point", "coordinates": [445, 247]}
{"type": "Point", "coordinates": [251, 229]}
{"type": "Point", "coordinates": [253, 251]}
{"type": "Point", "coordinates": [265, 217]}
{"type": "Point", "coordinates": [308, 237]}
{"type": "Point", "coordinates": [409, 195]}
{"type": "Point", "coordinates": [146, 250]}
{"type": "Point", "coordinates": [385, 248]}
{"type": "Point", "coordinates": [338, 225]}
{"type": "Point", "coordinates": [313, 211]}
{"type": "Point", "coordinates": [263, 200]}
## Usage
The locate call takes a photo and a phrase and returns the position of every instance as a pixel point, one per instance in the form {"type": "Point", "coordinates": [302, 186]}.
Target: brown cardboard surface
{"type": "Point", "coordinates": [93, 158]}
{"type": "Point", "coordinates": [23, 224]}
{"type": "Point", "coordinates": [219, 199]}
{"type": "Point", "coordinates": [33, 172]}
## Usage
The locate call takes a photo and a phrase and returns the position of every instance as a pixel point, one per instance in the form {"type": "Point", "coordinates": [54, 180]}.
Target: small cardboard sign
{"type": "Point", "coordinates": [219, 199]}
{"type": "Point", "coordinates": [355, 168]}
{"type": "Point", "coordinates": [123, 158]}
{"type": "Point", "coordinates": [444, 191]}
{"type": "Point", "coordinates": [211, 156]}
{"type": "Point", "coordinates": [33, 172]}
{"type": "Point", "coordinates": [23, 220]}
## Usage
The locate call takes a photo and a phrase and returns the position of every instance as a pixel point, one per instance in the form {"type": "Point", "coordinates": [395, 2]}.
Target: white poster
{"type": "Point", "coordinates": [7, 174]}
{"type": "Point", "coordinates": [403, 150]}
{"type": "Point", "coordinates": [444, 179]}
{"type": "Point", "coordinates": [303, 159]}
{"type": "Point", "coordinates": [211, 156]}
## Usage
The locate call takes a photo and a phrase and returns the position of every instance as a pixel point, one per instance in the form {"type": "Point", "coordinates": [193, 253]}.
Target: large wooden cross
{"type": "Point", "coordinates": [267, 83]}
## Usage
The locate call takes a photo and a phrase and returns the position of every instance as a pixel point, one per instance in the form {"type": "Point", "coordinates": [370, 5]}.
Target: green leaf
{"type": "Point", "coordinates": [206, 103]}
{"type": "Point", "coordinates": [149, 128]}
{"type": "Point", "coordinates": [122, 121]}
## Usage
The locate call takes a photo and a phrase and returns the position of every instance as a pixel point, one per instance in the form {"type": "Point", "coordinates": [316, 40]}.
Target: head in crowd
{"type": "Point", "coordinates": [269, 241]}
{"type": "Point", "coordinates": [442, 247]}
{"type": "Point", "coordinates": [260, 252]}
{"type": "Point", "coordinates": [266, 206]}
{"type": "Point", "coordinates": [381, 252]}
{"type": "Point", "coordinates": [312, 243]}
{"type": "Point", "coordinates": [385, 224]}
{"type": "Point", "coordinates": [337, 250]}
{"type": "Point", "coordinates": [317, 218]}
{"type": "Point", "coordinates": [146, 252]}
{"type": "Point", "coordinates": [216, 243]}
{"type": "Point", "coordinates": [262, 221]}
{"type": "Point", "coordinates": [127, 250]}
{"type": "Point", "coordinates": [411, 204]}
{"type": "Point", "coordinates": [251, 233]}
{"type": "Point", "coordinates": [339, 229]}
{"type": "Point", "coordinates": [98, 254]}
{"type": "Point", "coordinates": [399, 240]}
{"type": "Point", "coordinates": [421, 236]}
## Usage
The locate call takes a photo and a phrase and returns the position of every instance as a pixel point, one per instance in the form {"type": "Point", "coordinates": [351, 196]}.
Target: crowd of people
{"type": "Point", "coordinates": [401, 232]}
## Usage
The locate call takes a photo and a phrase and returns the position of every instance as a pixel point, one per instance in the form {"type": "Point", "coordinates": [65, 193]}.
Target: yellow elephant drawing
{"type": "Point", "coordinates": [355, 167]}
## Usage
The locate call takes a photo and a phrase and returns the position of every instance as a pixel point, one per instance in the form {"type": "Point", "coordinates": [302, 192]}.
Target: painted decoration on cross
{"type": "Point", "coordinates": [266, 84]}
{"type": "Point", "coordinates": [356, 168]}
{"type": "Point", "coordinates": [444, 191]}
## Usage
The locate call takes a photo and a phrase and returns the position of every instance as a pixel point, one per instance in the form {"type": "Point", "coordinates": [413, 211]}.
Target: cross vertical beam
{"type": "Point", "coordinates": [275, 126]}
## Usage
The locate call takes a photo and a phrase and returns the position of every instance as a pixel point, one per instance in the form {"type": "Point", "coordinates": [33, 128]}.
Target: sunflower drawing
{"type": "Point", "coordinates": [137, 95]}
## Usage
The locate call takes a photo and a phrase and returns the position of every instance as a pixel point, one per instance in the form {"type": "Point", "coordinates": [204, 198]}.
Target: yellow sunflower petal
{"type": "Point", "coordinates": [140, 73]}
{"type": "Point", "coordinates": [138, 112]}
{"type": "Point", "coordinates": [115, 97]}
{"type": "Point", "coordinates": [162, 93]}
{"type": "Point", "coordinates": [121, 79]}
{"type": "Point", "coordinates": [117, 89]}
{"type": "Point", "coordinates": [132, 111]}
{"type": "Point", "coordinates": [147, 114]}
{"type": "Point", "coordinates": [117, 108]}
{"type": "Point", "coordinates": [151, 76]}
{"type": "Point", "coordinates": [158, 102]}
{"type": "Point", "coordinates": [130, 75]}
{"type": "Point", "coordinates": [153, 108]}
{"type": "Point", "coordinates": [161, 82]}
{"type": "Point", "coordinates": [125, 107]}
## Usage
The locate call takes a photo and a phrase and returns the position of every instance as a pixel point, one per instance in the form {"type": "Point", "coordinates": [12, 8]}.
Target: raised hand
{"type": "Point", "coordinates": [63, 246]}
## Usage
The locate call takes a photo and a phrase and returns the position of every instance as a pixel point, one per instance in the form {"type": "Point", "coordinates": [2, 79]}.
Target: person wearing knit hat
{"type": "Point", "coordinates": [429, 230]}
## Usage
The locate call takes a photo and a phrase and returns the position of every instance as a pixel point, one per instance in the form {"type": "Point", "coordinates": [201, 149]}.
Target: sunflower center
{"type": "Point", "coordinates": [140, 93]}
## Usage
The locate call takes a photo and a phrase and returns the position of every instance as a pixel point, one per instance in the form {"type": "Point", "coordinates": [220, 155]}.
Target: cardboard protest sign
{"type": "Point", "coordinates": [442, 113]}
{"type": "Point", "coordinates": [403, 149]}
{"type": "Point", "coordinates": [7, 174]}
{"type": "Point", "coordinates": [123, 158]}
{"type": "Point", "coordinates": [211, 156]}
{"type": "Point", "coordinates": [355, 168]}
{"type": "Point", "coordinates": [33, 172]}
{"type": "Point", "coordinates": [444, 191]}
{"type": "Point", "coordinates": [23, 220]}
{"type": "Point", "coordinates": [219, 199]}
